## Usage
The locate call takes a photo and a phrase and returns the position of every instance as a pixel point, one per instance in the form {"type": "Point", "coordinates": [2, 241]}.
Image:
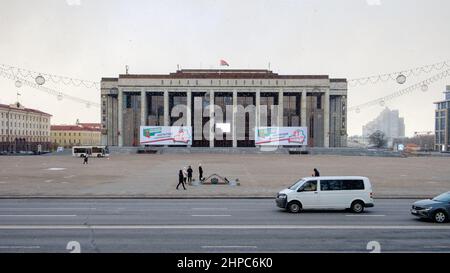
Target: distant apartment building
{"type": "Point", "coordinates": [442, 122]}
{"type": "Point", "coordinates": [23, 129]}
{"type": "Point", "coordinates": [389, 122]}
{"type": "Point", "coordinates": [80, 134]}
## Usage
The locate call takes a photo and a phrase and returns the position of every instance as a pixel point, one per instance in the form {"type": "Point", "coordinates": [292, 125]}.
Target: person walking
{"type": "Point", "coordinates": [85, 159]}
{"type": "Point", "coordinates": [316, 172]}
{"type": "Point", "coordinates": [181, 179]}
{"type": "Point", "coordinates": [185, 175]}
{"type": "Point", "coordinates": [200, 172]}
{"type": "Point", "coordinates": [189, 175]}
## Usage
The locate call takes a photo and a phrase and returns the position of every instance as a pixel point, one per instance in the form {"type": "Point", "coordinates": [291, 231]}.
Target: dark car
{"type": "Point", "coordinates": [436, 209]}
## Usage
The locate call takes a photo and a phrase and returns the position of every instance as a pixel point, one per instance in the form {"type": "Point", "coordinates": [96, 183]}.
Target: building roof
{"type": "Point", "coordinates": [23, 109]}
{"type": "Point", "coordinates": [90, 125]}
{"type": "Point", "coordinates": [73, 128]}
{"type": "Point", "coordinates": [221, 74]}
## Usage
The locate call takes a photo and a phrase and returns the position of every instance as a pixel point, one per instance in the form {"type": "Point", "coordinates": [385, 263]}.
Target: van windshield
{"type": "Point", "coordinates": [297, 184]}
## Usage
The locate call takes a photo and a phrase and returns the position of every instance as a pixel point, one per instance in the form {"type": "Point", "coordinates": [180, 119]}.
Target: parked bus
{"type": "Point", "coordinates": [90, 151]}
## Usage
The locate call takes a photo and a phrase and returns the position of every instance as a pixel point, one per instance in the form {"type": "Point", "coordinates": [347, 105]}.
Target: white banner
{"type": "Point", "coordinates": [166, 135]}
{"type": "Point", "coordinates": [275, 136]}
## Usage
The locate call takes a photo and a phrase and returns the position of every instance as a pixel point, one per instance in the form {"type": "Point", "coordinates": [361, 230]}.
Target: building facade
{"type": "Point", "coordinates": [82, 134]}
{"type": "Point", "coordinates": [389, 122]}
{"type": "Point", "coordinates": [23, 129]}
{"type": "Point", "coordinates": [442, 122]}
{"type": "Point", "coordinates": [268, 99]}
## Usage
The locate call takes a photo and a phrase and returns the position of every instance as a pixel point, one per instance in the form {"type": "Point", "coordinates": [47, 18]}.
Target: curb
{"type": "Point", "coordinates": [177, 197]}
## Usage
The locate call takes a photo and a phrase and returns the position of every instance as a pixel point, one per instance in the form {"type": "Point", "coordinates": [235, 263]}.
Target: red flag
{"type": "Point", "coordinates": [223, 63]}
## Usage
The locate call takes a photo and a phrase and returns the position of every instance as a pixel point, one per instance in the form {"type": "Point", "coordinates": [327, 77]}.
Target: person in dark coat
{"type": "Point", "coordinates": [181, 179]}
{"type": "Point", "coordinates": [189, 173]}
{"type": "Point", "coordinates": [200, 172]}
{"type": "Point", "coordinates": [316, 172]}
{"type": "Point", "coordinates": [85, 159]}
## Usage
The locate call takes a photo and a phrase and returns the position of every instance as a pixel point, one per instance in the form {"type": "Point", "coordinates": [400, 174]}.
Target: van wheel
{"type": "Point", "coordinates": [357, 206]}
{"type": "Point", "coordinates": [294, 207]}
{"type": "Point", "coordinates": [440, 217]}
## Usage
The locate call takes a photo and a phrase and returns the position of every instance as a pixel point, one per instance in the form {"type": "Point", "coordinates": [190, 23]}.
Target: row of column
{"type": "Point", "coordinates": [326, 106]}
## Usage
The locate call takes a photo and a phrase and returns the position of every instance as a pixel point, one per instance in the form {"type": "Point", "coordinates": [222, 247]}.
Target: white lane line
{"type": "Point", "coordinates": [209, 208]}
{"type": "Point", "coordinates": [211, 215]}
{"type": "Point", "coordinates": [229, 247]}
{"type": "Point", "coordinates": [47, 209]}
{"type": "Point", "coordinates": [20, 247]}
{"type": "Point", "coordinates": [38, 215]}
{"type": "Point", "coordinates": [281, 227]}
{"type": "Point", "coordinates": [368, 215]}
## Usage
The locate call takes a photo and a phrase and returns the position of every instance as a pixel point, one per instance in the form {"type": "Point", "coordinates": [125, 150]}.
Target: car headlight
{"type": "Point", "coordinates": [427, 209]}
{"type": "Point", "coordinates": [282, 196]}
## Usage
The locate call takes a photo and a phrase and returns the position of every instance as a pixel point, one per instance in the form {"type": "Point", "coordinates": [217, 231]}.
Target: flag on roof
{"type": "Point", "coordinates": [223, 63]}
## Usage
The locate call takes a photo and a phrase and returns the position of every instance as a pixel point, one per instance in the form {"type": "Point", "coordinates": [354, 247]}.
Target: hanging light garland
{"type": "Point", "coordinates": [423, 86]}
{"type": "Point", "coordinates": [399, 76]}
{"type": "Point", "coordinates": [40, 78]}
{"type": "Point", "coordinates": [60, 96]}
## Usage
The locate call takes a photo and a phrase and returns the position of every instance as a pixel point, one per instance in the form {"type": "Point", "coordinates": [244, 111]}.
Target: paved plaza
{"type": "Point", "coordinates": [260, 175]}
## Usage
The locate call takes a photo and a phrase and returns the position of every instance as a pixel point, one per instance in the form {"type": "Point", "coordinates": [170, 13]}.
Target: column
{"type": "Point", "coordinates": [280, 108]}
{"type": "Point", "coordinates": [211, 119]}
{"type": "Point", "coordinates": [166, 108]}
{"type": "Point", "coordinates": [257, 106]}
{"type": "Point", "coordinates": [189, 110]}
{"type": "Point", "coordinates": [143, 108]}
{"type": "Point", "coordinates": [303, 109]}
{"type": "Point", "coordinates": [326, 119]}
{"type": "Point", "coordinates": [234, 118]}
{"type": "Point", "coordinates": [120, 117]}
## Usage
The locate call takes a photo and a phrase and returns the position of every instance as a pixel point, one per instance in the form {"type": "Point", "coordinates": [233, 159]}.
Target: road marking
{"type": "Point", "coordinates": [366, 215]}
{"type": "Point", "coordinates": [20, 247]}
{"type": "Point", "coordinates": [281, 227]}
{"type": "Point", "coordinates": [37, 215]}
{"type": "Point", "coordinates": [211, 215]}
{"type": "Point", "coordinates": [444, 247]}
{"type": "Point", "coordinates": [48, 209]}
{"type": "Point", "coordinates": [229, 247]}
{"type": "Point", "coordinates": [56, 169]}
{"type": "Point", "coordinates": [209, 208]}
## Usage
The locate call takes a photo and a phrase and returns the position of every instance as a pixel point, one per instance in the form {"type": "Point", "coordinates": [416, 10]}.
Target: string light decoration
{"type": "Point", "coordinates": [59, 95]}
{"type": "Point", "coordinates": [399, 76]}
{"type": "Point", "coordinates": [40, 77]}
{"type": "Point", "coordinates": [423, 86]}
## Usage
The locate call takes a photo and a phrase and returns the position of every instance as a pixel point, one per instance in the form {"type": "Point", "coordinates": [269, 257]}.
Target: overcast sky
{"type": "Point", "coordinates": [90, 39]}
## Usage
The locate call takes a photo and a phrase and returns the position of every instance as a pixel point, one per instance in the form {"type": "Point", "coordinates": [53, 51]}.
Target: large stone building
{"type": "Point", "coordinates": [316, 102]}
{"type": "Point", "coordinates": [389, 122]}
{"type": "Point", "coordinates": [81, 134]}
{"type": "Point", "coordinates": [23, 129]}
{"type": "Point", "coordinates": [442, 123]}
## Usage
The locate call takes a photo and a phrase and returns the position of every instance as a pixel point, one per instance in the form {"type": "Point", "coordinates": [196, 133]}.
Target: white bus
{"type": "Point", "coordinates": [90, 151]}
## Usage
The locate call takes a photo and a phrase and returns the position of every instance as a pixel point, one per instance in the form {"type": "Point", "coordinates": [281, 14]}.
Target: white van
{"type": "Point", "coordinates": [327, 192]}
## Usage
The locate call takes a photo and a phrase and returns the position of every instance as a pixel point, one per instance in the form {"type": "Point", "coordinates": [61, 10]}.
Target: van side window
{"type": "Point", "coordinates": [353, 185]}
{"type": "Point", "coordinates": [330, 185]}
{"type": "Point", "coordinates": [309, 186]}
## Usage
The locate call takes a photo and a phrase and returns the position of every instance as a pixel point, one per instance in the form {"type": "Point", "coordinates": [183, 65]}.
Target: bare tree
{"type": "Point", "coordinates": [378, 139]}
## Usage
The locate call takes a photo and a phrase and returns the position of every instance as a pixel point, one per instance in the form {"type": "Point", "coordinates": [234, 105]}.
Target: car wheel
{"type": "Point", "coordinates": [294, 207]}
{"type": "Point", "coordinates": [357, 207]}
{"type": "Point", "coordinates": [440, 217]}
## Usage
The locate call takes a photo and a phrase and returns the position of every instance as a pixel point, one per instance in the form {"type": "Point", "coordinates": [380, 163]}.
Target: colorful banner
{"type": "Point", "coordinates": [166, 135]}
{"type": "Point", "coordinates": [275, 136]}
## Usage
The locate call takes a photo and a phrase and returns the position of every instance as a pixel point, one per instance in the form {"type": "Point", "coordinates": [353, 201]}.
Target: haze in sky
{"type": "Point", "coordinates": [90, 39]}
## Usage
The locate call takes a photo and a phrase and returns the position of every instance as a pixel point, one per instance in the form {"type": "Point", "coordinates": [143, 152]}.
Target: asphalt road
{"type": "Point", "coordinates": [210, 225]}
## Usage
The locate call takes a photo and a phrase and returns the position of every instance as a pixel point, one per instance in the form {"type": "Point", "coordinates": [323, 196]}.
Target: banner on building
{"type": "Point", "coordinates": [274, 136]}
{"type": "Point", "coordinates": [166, 135]}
